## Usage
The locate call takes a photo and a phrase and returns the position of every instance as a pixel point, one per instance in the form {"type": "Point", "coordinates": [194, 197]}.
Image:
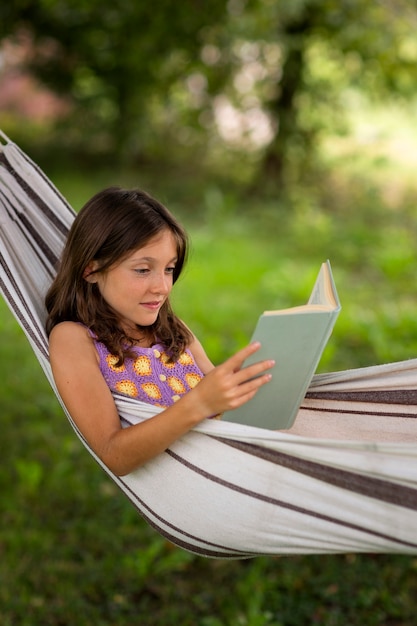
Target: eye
{"type": "Point", "coordinates": [170, 270]}
{"type": "Point", "coordinates": [142, 270]}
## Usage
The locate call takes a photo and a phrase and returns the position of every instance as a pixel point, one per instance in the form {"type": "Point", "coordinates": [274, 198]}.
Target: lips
{"type": "Point", "coordinates": [152, 306]}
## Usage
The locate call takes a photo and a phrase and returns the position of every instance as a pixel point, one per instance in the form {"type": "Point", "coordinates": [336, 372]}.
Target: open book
{"type": "Point", "coordinates": [295, 338]}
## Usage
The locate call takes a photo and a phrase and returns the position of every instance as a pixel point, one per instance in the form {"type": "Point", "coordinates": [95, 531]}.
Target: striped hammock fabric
{"type": "Point", "coordinates": [344, 481]}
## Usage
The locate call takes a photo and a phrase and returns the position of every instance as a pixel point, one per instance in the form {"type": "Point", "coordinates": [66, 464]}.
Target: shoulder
{"type": "Point", "coordinates": [70, 337]}
{"type": "Point", "coordinates": [68, 330]}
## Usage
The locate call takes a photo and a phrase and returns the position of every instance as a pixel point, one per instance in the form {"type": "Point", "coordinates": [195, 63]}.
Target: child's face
{"type": "Point", "coordinates": [137, 287]}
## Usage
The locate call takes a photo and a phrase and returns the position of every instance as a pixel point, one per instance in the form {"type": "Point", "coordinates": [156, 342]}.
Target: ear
{"type": "Point", "coordinates": [89, 272]}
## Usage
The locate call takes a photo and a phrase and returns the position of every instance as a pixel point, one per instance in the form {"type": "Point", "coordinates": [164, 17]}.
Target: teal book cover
{"type": "Point", "coordinates": [295, 338]}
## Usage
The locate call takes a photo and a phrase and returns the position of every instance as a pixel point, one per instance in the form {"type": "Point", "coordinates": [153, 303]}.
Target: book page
{"type": "Point", "coordinates": [323, 296]}
{"type": "Point", "coordinates": [324, 290]}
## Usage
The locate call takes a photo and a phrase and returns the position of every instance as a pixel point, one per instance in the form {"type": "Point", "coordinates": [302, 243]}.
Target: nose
{"type": "Point", "coordinates": [162, 283]}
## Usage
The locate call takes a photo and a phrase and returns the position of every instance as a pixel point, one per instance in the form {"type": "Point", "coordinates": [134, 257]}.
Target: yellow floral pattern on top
{"type": "Point", "coordinates": [150, 375]}
{"type": "Point", "coordinates": [111, 361]}
{"type": "Point", "coordinates": [142, 365]}
{"type": "Point", "coordinates": [127, 388]}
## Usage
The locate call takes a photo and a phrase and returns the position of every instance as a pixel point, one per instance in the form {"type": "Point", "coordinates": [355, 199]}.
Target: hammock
{"type": "Point", "coordinates": [232, 491]}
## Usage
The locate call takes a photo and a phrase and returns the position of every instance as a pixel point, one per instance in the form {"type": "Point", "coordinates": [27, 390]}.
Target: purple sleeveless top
{"type": "Point", "coordinates": [149, 376]}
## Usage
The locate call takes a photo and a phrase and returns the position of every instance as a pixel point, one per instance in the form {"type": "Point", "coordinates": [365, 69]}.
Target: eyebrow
{"type": "Point", "coordinates": [149, 259]}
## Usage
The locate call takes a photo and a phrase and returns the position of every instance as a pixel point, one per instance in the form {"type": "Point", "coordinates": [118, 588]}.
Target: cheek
{"type": "Point", "coordinates": [110, 290]}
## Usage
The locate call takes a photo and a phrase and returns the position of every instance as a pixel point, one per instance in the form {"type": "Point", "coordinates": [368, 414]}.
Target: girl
{"type": "Point", "coordinates": [111, 328]}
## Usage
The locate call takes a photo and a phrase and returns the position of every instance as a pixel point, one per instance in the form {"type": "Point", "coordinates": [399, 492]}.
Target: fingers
{"type": "Point", "coordinates": [248, 388]}
{"type": "Point", "coordinates": [230, 385]}
{"type": "Point", "coordinates": [237, 360]}
{"type": "Point", "coordinates": [251, 371]}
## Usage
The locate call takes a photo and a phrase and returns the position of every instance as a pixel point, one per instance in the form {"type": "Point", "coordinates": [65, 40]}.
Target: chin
{"type": "Point", "coordinates": [148, 322]}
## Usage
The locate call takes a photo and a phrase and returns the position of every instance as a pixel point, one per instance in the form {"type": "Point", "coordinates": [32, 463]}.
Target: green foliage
{"type": "Point", "coordinates": [212, 78]}
{"type": "Point", "coordinates": [109, 60]}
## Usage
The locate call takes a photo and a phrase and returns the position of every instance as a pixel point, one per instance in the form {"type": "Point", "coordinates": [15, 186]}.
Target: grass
{"type": "Point", "coordinates": [73, 550]}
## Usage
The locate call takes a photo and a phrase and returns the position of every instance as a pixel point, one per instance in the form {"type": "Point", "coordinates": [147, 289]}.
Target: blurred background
{"type": "Point", "coordinates": [281, 134]}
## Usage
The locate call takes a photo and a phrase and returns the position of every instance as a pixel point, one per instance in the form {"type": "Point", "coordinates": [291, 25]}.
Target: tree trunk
{"type": "Point", "coordinates": [284, 108]}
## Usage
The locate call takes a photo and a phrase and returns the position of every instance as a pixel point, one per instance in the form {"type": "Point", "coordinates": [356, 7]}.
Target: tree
{"type": "Point", "coordinates": [323, 49]}
{"type": "Point", "coordinates": [213, 67]}
{"type": "Point", "coordinates": [110, 57]}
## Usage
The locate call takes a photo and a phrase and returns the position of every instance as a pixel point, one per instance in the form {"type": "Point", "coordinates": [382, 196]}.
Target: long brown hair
{"type": "Point", "coordinates": [112, 224]}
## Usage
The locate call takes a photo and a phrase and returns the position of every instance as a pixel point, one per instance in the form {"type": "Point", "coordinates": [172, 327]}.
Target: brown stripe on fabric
{"type": "Point", "coordinates": [35, 239]}
{"type": "Point", "coordinates": [40, 346]}
{"type": "Point", "coordinates": [32, 236]}
{"type": "Point", "coordinates": [42, 206]}
{"type": "Point", "coordinates": [375, 488]}
{"type": "Point", "coordinates": [37, 242]}
{"type": "Point", "coordinates": [191, 547]}
{"type": "Point", "coordinates": [212, 549]}
{"type": "Point", "coordinates": [218, 552]}
{"type": "Point", "coordinates": [46, 180]}
{"type": "Point", "coordinates": [381, 396]}
{"type": "Point", "coordinates": [282, 503]}
{"type": "Point", "coordinates": [365, 411]}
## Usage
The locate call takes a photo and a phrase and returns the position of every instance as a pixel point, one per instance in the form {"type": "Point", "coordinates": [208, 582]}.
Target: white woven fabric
{"type": "Point", "coordinates": [344, 480]}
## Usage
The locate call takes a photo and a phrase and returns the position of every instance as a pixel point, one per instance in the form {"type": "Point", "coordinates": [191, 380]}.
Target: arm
{"type": "Point", "coordinates": [89, 401]}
